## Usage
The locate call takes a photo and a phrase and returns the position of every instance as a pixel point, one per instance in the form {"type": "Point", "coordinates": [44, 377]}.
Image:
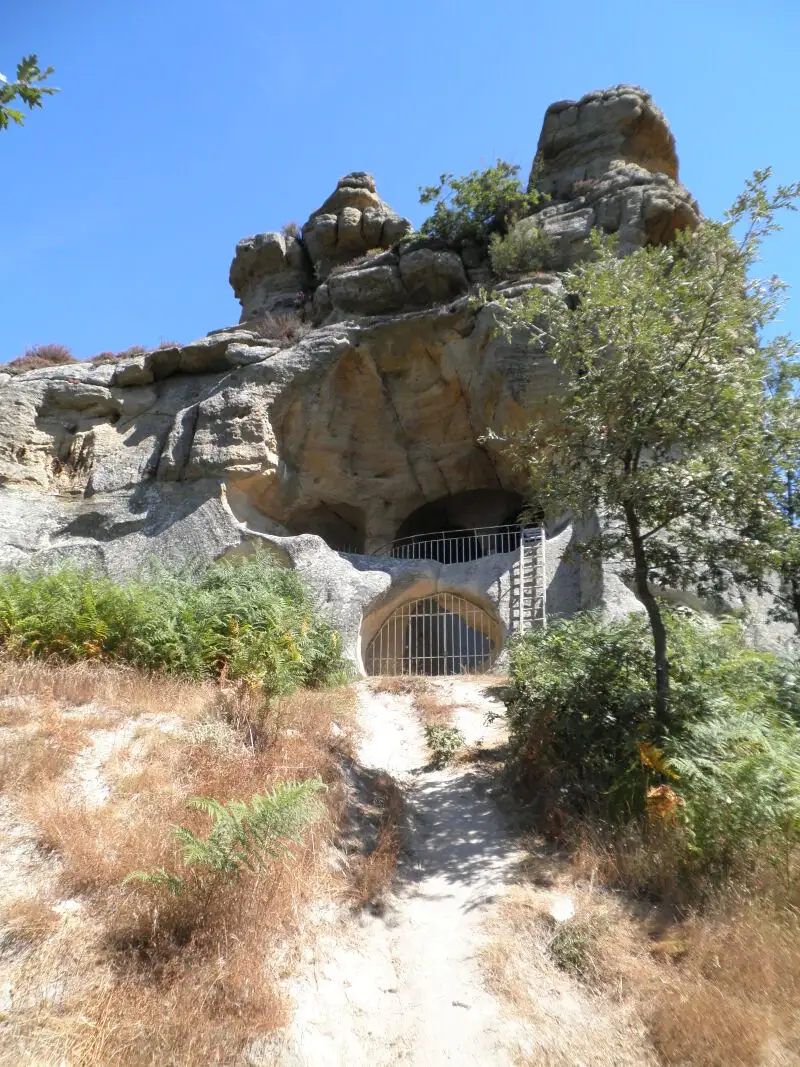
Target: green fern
{"type": "Point", "coordinates": [243, 837]}
{"type": "Point", "coordinates": [249, 619]}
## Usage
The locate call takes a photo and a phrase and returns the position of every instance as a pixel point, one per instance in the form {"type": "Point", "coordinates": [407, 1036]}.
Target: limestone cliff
{"type": "Point", "coordinates": [377, 411]}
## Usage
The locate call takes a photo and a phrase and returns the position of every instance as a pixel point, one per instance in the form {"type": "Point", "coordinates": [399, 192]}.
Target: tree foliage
{"type": "Point", "coordinates": [28, 88]}
{"type": "Point", "coordinates": [666, 428]}
{"type": "Point", "coordinates": [472, 208]}
{"type": "Point", "coordinates": [724, 777]}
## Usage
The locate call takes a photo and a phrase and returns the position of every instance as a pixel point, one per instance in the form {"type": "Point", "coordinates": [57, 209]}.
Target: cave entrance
{"type": "Point", "coordinates": [461, 527]}
{"type": "Point", "coordinates": [435, 635]}
{"type": "Point", "coordinates": [341, 526]}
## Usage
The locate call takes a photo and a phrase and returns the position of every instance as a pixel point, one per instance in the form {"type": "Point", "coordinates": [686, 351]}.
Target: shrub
{"type": "Point", "coordinates": [472, 208]}
{"type": "Point", "coordinates": [126, 353]}
{"type": "Point", "coordinates": [38, 356]}
{"type": "Point", "coordinates": [443, 741]}
{"type": "Point", "coordinates": [246, 620]}
{"type": "Point", "coordinates": [725, 784]}
{"type": "Point", "coordinates": [523, 249]}
{"type": "Point", "coordinates": [580, 703]}
{"type": "Point", "coordinates": [290, 229]}
{"type": "Point", "coordinates": [287, 327]}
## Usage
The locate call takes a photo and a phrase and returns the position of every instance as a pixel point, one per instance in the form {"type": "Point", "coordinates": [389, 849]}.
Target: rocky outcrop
{"type": "Point", "coordinates": [327, 440]}
{"type": "Point", "coordinates": [608, 160]}
{"type": "Point", "coordinates": [417, 274]}
{"type": "Point", "coordinates": [583, 139]}
{"type": "Point", "coordinates": [352, 221]}
{"type": "Point", "coordinates": [275, 273]}
{"type": "Point", "coordinates": [270, 273]}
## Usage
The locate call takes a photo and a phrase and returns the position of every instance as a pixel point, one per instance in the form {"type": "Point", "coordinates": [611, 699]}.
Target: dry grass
{"type": "Point", "coordinates": [28, 920]}
{"type": "Point", "coordinates": [372, 874]}
{"type": "Point", "coordinates": [714, 989]}
{"type": "Point", "coordinates": [287, 327]}
{"type": "Point", "coordinates": [144, 977]}
{"type": "Point", "coordinates": [726, 992]}
{"type": "Point", "coordinates": [359, 261]}
{"type": "Point", "coordinates": [566, 1022]}
{"type": "Point", "coordinates": [434, 707]}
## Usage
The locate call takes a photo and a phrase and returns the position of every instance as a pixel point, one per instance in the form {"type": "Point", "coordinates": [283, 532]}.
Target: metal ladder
{"type": "Point", "coordinates": [530, 609]}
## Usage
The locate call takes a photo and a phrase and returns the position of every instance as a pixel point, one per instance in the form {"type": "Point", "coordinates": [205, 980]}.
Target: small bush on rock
{"type": "Point", "coordinates": [522, 250]}
{"type": "Point", "coordinates": [472, 208]}
{"type": "Point", "coordinates": [38, 356]}
{"type": "Point", "coordinates": [286, 327]}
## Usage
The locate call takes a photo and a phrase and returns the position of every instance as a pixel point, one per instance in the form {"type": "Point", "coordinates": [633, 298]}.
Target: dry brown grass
{"type": "Point", "coordinates": [398, 685]}
{"type": "Point", "coordinates": [567, 1022]}
{"type": "Point", "coordinates": [28, 920]}
{"type": "Point", "coordinates": [286, 327]}
{"type": "Point", "coordinates": [161, 979]}
{"type": "Point", "coordinates": [434, 707]}
{"type": "Point", "coordinates": [372, 874]}
{"type": "Point", "coordinates": [718, 988]}
{"type": "Point", "coordinates": [726, 991]}
{"type": "Point", "coordinates": [126, 689]}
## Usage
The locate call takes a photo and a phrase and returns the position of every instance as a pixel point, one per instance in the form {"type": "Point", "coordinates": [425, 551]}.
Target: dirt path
{"type": "Point", "coordinates": [405, 987]}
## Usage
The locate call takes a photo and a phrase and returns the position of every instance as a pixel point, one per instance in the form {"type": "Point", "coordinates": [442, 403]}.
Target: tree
{"type": "Point", "coordinates": [666, 428]}
{"type": "Point", "coordinates": [475, 207]}
{"type": "Point", "coordinates": [786, 532]}
{"type": "Point", "coordinates": [28, 87]}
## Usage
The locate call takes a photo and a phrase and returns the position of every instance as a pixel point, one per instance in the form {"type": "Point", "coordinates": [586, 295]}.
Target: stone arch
{"type": "Point", "coordinates": [431, 631]}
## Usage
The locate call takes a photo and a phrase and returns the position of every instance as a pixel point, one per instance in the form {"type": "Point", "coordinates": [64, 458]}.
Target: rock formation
{"type": "Point", "coordinates": [328, 444]}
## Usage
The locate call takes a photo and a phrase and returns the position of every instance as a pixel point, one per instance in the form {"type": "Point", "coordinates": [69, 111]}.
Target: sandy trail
{"type": "Point", "coordinates": [405, 987]}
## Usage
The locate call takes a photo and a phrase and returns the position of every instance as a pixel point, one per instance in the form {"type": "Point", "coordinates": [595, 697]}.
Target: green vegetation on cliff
{"type": "Point", "coordinates": [245, 620]}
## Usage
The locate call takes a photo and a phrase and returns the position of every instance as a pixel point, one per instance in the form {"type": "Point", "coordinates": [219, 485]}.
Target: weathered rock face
{"type": "Point", "coordinates": [352, 221]}
{"type": "Point", "coordinates": [608, 160]}
{"type": "Point", "coordinates": [273, 273]}
{"type": "Point", "coordinates": [380, 411]}
{"type": "Point", "coordinates": [583, 139]}
{"type": "Point", "coordinates": [270, 273]}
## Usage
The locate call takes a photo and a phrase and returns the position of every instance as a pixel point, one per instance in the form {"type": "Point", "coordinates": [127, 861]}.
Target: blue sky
{"type": "Point", "coordinates": [184, 126]}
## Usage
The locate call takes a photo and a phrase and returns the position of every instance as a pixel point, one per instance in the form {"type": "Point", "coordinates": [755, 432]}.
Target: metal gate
{"type": "Point", "coordinates": [439, 634]}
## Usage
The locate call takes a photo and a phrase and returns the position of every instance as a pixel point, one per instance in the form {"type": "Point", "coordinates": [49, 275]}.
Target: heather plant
{"type": "Point", "coordinates": [247, 620]}
{"type": "Point", "coordinates": [37, 357]}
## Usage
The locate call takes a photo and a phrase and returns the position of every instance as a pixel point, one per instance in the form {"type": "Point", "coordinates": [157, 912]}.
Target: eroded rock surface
{"type": "Point", "coordinates": [380, 409]}
{"type": "Point", "coordinates": [608, 160]}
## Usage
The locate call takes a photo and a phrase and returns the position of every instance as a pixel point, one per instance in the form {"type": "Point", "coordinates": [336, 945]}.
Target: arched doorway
{"type": "Point", "coordinates": [438, 634]}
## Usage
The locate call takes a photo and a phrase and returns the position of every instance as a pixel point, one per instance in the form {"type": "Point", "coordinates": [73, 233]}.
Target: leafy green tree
{"type": "Point", "coordinates": [482, 203]}
{"type": "Point", "coordinates": [665, 428]}
{"type": "Point", "coordinates": [28, 88]}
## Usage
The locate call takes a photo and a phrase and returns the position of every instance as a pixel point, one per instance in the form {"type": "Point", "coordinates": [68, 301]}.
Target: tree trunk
{"type": "Point", "coordinates": [795, 584]}
{"type": "Point", "coordinates": [653, 610]}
